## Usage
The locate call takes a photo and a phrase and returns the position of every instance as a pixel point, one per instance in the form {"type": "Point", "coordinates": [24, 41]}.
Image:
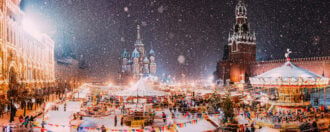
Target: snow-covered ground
{"type": "Point", "coordinates": [200, 126]}
{"type": "Point", "coordinates": [60, 119]}
{"type": "Point", "coordinates": [84, 91]}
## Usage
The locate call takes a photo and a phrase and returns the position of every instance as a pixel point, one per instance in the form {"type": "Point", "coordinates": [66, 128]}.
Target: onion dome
{"type": "Point", "coordinates": [146, 60]}
{"type": "Point", "coordinates": [124, 54]}
{"type": "Point", "coordinates": [135, 54]}
{"type": "Point", "coordinates": [152, 52]}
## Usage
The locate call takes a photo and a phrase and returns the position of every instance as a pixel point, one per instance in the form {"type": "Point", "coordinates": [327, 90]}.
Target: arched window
{"type": "Point", "coordinates": [234, 46]}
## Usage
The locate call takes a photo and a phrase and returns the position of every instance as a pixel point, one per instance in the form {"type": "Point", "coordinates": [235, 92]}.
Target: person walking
{"type": "Point", "coordinates": [115, 120]}
{"type": "Point", "coordinates": [26, 121]}
{"type": "Point", "coordinates": [122, 121]}
{"type": "Point", "coordinates": [21, 119]}
{"type": "Point", "coordinates": [65, 106]}
{"type": "Point", "coordinates": [164, 117]}
{"type": "Point", "coordinates": [103, 129]}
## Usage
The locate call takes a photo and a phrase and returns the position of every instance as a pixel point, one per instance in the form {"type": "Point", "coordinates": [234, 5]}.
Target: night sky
{"type": "Point", "coordinates": [195, 29]}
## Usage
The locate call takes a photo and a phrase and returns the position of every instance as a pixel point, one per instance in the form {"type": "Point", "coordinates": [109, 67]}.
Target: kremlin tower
{"type": "Point", "coordinates": [240, 50]}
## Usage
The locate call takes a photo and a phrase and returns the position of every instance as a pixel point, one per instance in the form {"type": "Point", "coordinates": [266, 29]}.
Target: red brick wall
{"type": "Point", "coordinates": [235, 70]}
{"type": "Point", "coordinates": [246, 53]}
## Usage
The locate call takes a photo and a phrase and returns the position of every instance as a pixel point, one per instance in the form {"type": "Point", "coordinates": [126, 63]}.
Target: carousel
{"type": "Point", "coordinates": [138, 102]}
{"type": "Point", "coordinates": [289, 86]}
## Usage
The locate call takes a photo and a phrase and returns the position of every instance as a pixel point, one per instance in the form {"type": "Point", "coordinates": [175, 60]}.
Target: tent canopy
{"type": "Point", "coordinates": [142, 89]}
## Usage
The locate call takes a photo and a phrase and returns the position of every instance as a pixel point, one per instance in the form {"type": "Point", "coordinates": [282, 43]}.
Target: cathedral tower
{"type": "Point", "coordinates": [138, 43]}
{"type": "Point", "coordinates": [124, 61]}
{"type": "Point", "coordinates": [152, 62]}
{"type": "Point", "coordinates": [145, 70]}
{"type": "Point", "coordinates": [136, 65]}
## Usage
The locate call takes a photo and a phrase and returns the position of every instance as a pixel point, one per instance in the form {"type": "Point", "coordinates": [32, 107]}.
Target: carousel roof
{"type": "Point", "coordinates": [289, 70]}
{"type": "Point", "coordinates": [289, 74]}
{"type": "Point", "coordinates": [141, 88]}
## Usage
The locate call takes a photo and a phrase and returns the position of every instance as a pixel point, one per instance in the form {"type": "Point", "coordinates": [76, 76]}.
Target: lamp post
{"type": "Point", "coordinates": [12, 94]}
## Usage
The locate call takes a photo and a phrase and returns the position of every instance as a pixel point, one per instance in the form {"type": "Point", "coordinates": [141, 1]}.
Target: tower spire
{"type": "Point", "coordinates": [241, 12]}
{"type": "Point", "coordinates": [138, 35]}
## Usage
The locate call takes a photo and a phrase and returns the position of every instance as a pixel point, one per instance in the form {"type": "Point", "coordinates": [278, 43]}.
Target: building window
{"type": "Point", "coordinates": [234, 46]}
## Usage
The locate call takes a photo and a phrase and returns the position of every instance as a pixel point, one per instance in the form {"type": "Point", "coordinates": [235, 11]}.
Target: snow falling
{"type": "Point", "coordinates": [193, 28]}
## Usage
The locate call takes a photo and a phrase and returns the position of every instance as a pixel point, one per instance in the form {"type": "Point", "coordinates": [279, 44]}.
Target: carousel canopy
{"type": "Point", "coordinates": [141, 88]}
{"type": "Point", "coordinates": [289, 74]}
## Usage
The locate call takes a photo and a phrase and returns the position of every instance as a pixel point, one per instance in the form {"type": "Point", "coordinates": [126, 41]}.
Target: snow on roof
{"type": "Point", "coordinates": [68, 60]}
{"type": "Point", "coordinates": [289, 74]}
{"type": "Point", "coordinates": [141, 88]}
{"type": "Point", "coordinates": [289, 70]}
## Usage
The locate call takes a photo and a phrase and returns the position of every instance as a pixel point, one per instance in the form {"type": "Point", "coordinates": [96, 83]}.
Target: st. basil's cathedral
{"type": "Point", "coordinates": [138, 64]}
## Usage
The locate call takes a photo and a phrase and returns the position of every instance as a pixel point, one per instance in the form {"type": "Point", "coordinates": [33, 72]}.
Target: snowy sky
{"type": "Point", "coordinates": [196, 30]}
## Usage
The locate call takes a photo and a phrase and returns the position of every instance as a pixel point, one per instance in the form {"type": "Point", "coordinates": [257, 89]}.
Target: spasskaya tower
{"type": "Point", "coordinates": [241, 48]}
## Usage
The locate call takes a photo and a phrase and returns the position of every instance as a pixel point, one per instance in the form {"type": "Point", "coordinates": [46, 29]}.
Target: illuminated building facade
{"type": "Point", "coordinates": [26, 56]}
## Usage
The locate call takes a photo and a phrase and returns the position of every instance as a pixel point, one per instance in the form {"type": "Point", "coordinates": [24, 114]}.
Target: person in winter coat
{"type": "Point", "coordinates": [115, 120]}
{"type": "Point", "coordinates": [164, 117]}
{"type": "Point", "coordinates": [103, 129]}
{"type": "Point", "coordinates": [122, 120]}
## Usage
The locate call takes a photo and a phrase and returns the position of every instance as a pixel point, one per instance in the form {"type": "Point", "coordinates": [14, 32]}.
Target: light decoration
{"type": "Point", "coordinates": [31, 28]}
{"type": "Point", "coordinates": [290, 81]}
{"type": "Point", "coordinates": [193, 84]}
{"type": "Point", "coordinates": [131, 83]}
{"type": "Point", "coordinates": [289, 75]}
